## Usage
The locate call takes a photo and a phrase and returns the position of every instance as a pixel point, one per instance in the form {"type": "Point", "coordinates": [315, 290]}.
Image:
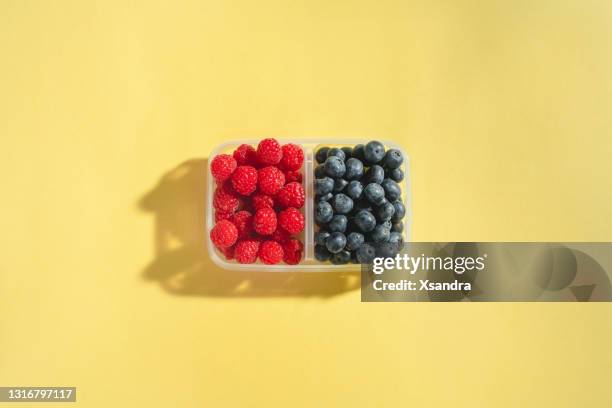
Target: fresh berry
{"type": "Point", "coordinates": [270, 179]}
{"type": "Point", "coordinates": [243, 220]}
{"type": "Point", "coordinates": [219, 215]}
{"type": "Point", "coordinates": [348, 152]}
{"type": "Point", "coordinates": [374, 152]}
{"type": "Point", "coordinates": [354, 189]}
{"type": "Point", "coordinates": [385, 212]}
{"type": "Point", "coordinates": [365, 221]}
{"type": "Point", "coordinates": [334, 166]}
{"type": "Point", "coordinates": [291, 176]}
{"type": "Point", "coordinates": [225, 199]}
{"type": "Point", "coordinates": [342, 203]}
{"type": "Point", "coordinates": [280, 235]}
{"type": "Point", "coordinates": [227, 252]}
{"type": "Point", "coordinates": [341, 258]}
{"type": "Point", "coordinates": [338, 223]}
{"type": "Point", "coordinates": [293, 250]}
{"type": "Point", "coordinates": [380, 234]}
{"type": "Point", "coordinates": [224, 234]}
{"type": "Point", "coordinates": [392, 189]}
{"type": "Point", "coordinates": [291, 220]}
{"type": "Point", "coordinates": [400, 212]}
{"type": "Point", "coordinates": [339, 185]}
{"type": "Point", "coordinates": [354, 240]}
{"type": "Point", "coordinates": [396, 175]}
{"type": "Point", "coordinates": [320, 237]}
{"type": "Point", "coordinates": [245, 155]}
{"type": "Point", "coordinates": [269, 152]}
{"type": "Point", "coordinates": [335, 151]}
{"type": "Point", "coordinates": [397, 227]}
{"type": "Point", "coordinates": [222, 167]}
{"type": "Point", "coordinates": [366, 253]}
{"type": "Point", "coordinates": [264, 221]}
{"type": "Point", "coordinates": [321, 253]}
{"type": "Point", "coordinates": [324, 197]}
{"type": "Point", "coordinates": [323, 185]}
{"type": "Point", "coordinates": [393, 159]}
{"type": "Point", "coordinates": [246, 251]}
{"type": "Point", "coordinates": [396, 239]}
{"type": "Point", "coordinates": [291, 195]}
{"type": "Point", "coordinates": [324, 212]}
{"type": "Point", "coordinates": [358, 152]}
{"type": "Point", "coordinates": [336, 242]}
{"type": "Point", "coordinates": [375, 174]}
{"type": "Point", "coordinates": [270, 252]}
{"type": "Point", "coordinates": [293, 157]}
{"type": "Point", "coordinates": [374, 193]}
{"type": "Point", "coordinates": [319, 171]}
{"type": "Point", "coordinates": [321, 154]}
{"type": "Point", "coordinates": [244, 179]}
{"type": "Point", "coordinates": [262, 200]}
{"type": "Point", "coordinates": [354, 169]}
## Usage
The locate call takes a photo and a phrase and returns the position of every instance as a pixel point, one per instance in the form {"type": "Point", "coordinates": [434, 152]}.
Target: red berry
{"type": "Point", "coordinates": [244, 179]}
{"type": "Point", "coordinates": [245, 155]}
{"type": "Point", "coordinates": [224, 234]}
{"type": "Point", "coordinates": [291, 195]}
{"type": "Point", "coordinates": [270, 179]}
{"type": "Point", "coordinates": [293, 157]}
{"type": "Point", "coordinates": [270, 252]}
{"type": "Point", "coordinates": [291, 175]}
{"type": "Point", "coordinates": [291, 220]}
{"type": "Point", "coordinates": [222, 167]}
{"type": "Point", "coordinates": [262, 200]}
{"type": "Point", "coordinates": [243, 220]}
{"type": "Point", "coordinates": [222, 216]}
{"type": "Point", "coordinates": [269, 152]}
{"type": "Point", "coordinates": [280, 235]}
{"type": "Point", "coordinates": [246, 251]}
{"type": "Point", "coordinates": [228, 252]}
{"type": "Point", "coordinates": [293, 250]}
{"type": "Point", "coordinates": [225, 199]}
{"type": "Point", "coordinates": [264, 221]}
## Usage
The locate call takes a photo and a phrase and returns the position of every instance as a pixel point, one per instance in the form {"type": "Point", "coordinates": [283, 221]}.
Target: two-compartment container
{"type": "Point", "coordinates": [308, 263]}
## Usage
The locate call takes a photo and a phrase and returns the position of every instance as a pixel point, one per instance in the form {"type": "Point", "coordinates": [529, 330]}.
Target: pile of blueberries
{"type": "Point", "coordinates": [358, 209]}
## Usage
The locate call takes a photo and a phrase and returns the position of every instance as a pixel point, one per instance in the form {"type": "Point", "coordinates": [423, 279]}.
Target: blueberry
{"type": "Point", "coordinates": [396, 175]}
{"type": "Point", "coordinates": [342, 203]}
{"type": "Point", "coordinates": [321, 253]}
{"type": "Point", "coordinates": [380, 234]}
{"type": "Point", "coordinates": [400, 211]}
{"type": "Point", "coordinates": [321, 154]}
{"type": "Point", "coordinates": [319, 171]}
{"type": "Point", "coordinates": [396, 239]}
{"type": "Point", "coordinates": [374, 152]}
{"type": "Point", "coordinates": [334, 166]}
{"type": "Point", "coordinates": [348, 152]}
{"type": "Point", "coordinates": [339, 185]}
{"type": "Point", "coordinates": [335, 151]}
{"type": "Point", "coordinates": [385, 212]}
{"type": "Point", "coordinates": [365, 221]}
{"type": "Point", "coordinates": [335, 242]}
{"type": "Point", "coordinates": [341, 258]}
{"type": "Point", "coordinates": [374, 193]}
{"type": "Point", "coordinates": [354, 240]}
{"type": "Point", "coordinates": [397, 227]}
{"type": "Point", "coordinates": [386, 250]}
{"type": "Point", "coordinates": [358, 152]}
{"type": "Point", "coordinates": [337, 223]}
{"type": "Point", "coordinates": [354, 169]}
{"type": "Point", "coordinates": [392, 189]}
{"type": "Point", "coordinates": [366, 253]}
{"type": "Point", "coordinates": [320, 237]}
{"type": "Point", "coordinates": [393, 159]}
{"type": "Point", "coordinates": [323, 185]}
{"type": "Point", "coordinates": [354, 189]}
{"type": "Point", "coordinates": [375, 174]}
{"type": "Point", "coordinates": [324, 197]}
{"type": "Point", "coordinates": [324, 212]}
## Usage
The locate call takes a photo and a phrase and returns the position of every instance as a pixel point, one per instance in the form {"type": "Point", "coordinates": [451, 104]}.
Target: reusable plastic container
{"type": "Point", "coordinates": [309, 263]}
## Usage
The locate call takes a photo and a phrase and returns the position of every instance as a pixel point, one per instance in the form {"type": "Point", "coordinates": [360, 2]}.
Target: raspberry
{"type": "Point", "coordinates": [262, 200]}
{"type": "Point", "coordinates": [293, 157]}
{"type": "Point", "coordinates": [269, 152]}
{"type": "Point", "coordinates": [270, 252]}
{"type": "Point", "coordinates": [293, 250]}
{"type": "Point", "coordinates": [264, 221]}
{"type": "Point", "coordinates": [222, 216]}
{"type": "Point", "coordinates": [291, 195]}
{"type": "Point", "coordinates": [280, 235]}
{"type": "Point", "coordinates": [228, 252]}
{"type": "Point", "coordinates": [246, 251]}
{"type": "Point", "coordinates": [245, 155]}
{"type": "Point", "coordinates": [244, 180]}
{"type": "Point", "coordinates": [291, 175]}
{"type": "Point", "coordinates": [222, 167]}
{"type": "Point", "coordinates": [270, 180]}
{"type": "Point", "coordinates": [224, 234]}
{"type": "Point", "coordinates": [291, 220]}
{"type": "Point", "coordinates": [225, 199]}
{"type": "Point", "coordinates": [243, 220]}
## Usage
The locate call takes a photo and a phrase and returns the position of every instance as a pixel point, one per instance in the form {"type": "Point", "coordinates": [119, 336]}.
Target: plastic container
{"type": "Point", "coordinates": [309, 263]}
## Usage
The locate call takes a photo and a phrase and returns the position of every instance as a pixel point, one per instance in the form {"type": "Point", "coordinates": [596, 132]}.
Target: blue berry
{"type": "Point", "coordinates": [396, 239]}
{"type": "Point", "coordinates": [365, 221]}
{"type": "Point", "coordinates": [396, 175]}
{"type": "Point", "coordinates": [337, 223]}
{"type": "Point", "coordinates": [334, 166]}
{"type": "Point", "coordinates": [335, 151]}
{"type": "Point", "coordinates": [354, 189]}
{"type": "Point", "coordinates": [348, 152]}
{"type": "Point", "coordinates": [385, 212]}
{"type": "Point", "coordinates": [397, 227]}
{"type": "Point", "coordinates": [400, 211]}
{"type": "Point", "coordinates": [321, 253]}
{"type": "Point", "coordinates": [342, 203]}
{"type": "Point", "coordinates": [341, 258]}
{"type": "Point", "coordinates": [339, 185]}
{"type": "Point", "coordinates": [392, 189]}
{"type": "Point", "coordinates": [319, 171]}
{"type": "Point", "coordinates": [320, 237]}
{"type": "Point", "coordinates": [380, 234]}
{"type": "Point", "coordinates": [354, 240]}
{"type": "Point", "coordinates": [336, 242]}
{"type": "Point", "coordinates": [386, 250]}
{"type": "Point", "coordinates": [354, 169]}
{"type": "Point", "coordinates": [321, 154]}
{"type": "Point", "coordinates": [374, 193]}
{"type": "Point", "coordinates": [324, 212]}
{"type": "Point", "coordinates": [358, 152]}
{"type": "Point", "coordinates": [375, 174]}
{"type": "Point", "coordinates": [323, 185]}
{"type": "Point", "coordinates": [374, 152]}
{"type": "Point", "coordinates": [324, 197]}
{"type": "Point", "coordinates": [393, 159]}
{"type": "Point", "coordinates": [366, 254]}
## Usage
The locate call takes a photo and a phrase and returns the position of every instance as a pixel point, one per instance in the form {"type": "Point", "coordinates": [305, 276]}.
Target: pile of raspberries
{"type": "Point", "coordinates": [257, 203]}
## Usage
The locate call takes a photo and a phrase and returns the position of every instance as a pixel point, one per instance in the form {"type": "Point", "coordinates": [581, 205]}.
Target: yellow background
{"type": "Point", "coordinates": [504, 107]}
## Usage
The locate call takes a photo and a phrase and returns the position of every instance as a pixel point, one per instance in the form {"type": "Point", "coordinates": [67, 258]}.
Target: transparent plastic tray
{"type": "Point", "coordinates": [309, 263]}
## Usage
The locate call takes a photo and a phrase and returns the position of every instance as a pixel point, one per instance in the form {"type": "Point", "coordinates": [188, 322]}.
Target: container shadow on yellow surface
{"type": "Point", "coordinates": [182, 265]}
